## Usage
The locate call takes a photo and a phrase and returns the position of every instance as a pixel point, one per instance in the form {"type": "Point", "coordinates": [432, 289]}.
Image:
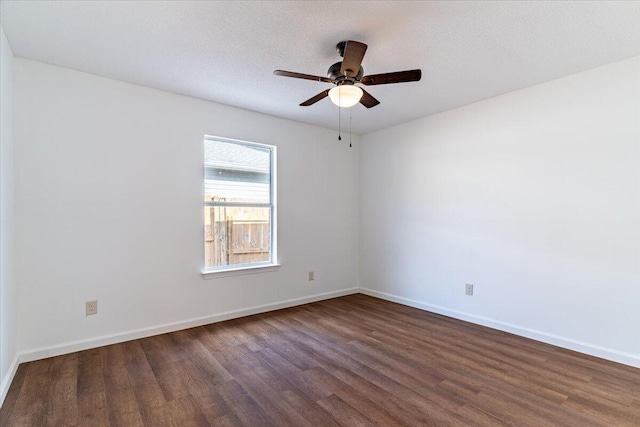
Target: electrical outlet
{"type": "Point", "coordinates": [312, 276]}
{"type": "Point", "coordinates": [468, 289]}
{"type": "Point", "coordinates": [92, 307]}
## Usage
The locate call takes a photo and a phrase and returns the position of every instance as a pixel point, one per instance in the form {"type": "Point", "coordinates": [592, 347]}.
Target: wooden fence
{"type": "Point", "coordinates": [230, 241]}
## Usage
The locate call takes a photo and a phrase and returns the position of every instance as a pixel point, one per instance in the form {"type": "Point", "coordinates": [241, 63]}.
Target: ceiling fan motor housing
{"type": "Point", "coordinates": [338, 78]}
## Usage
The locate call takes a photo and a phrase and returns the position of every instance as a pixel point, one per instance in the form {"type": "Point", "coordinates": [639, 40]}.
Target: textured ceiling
{"type": "Point", "coordinates": [226, 51]}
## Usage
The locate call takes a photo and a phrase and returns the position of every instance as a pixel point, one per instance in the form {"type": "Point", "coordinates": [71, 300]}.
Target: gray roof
{"type": "Point", "coordinates": [236, 156]}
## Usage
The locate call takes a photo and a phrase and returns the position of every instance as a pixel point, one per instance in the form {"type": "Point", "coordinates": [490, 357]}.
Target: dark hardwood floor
{"type": "Point", "coordinates": [348, 361]}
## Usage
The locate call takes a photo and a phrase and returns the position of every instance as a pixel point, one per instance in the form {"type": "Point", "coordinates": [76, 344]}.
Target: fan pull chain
{"type": "Point", "coordinates": [339, 115]}
{"type": "Point", "coordinates": [349, 127]}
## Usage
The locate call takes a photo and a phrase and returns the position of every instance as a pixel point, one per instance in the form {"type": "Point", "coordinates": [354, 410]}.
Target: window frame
{"type": "Point", "coordinates": [251, 267]}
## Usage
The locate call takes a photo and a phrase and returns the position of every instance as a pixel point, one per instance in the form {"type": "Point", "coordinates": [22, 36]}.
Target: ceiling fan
{"type": "Point", "coordinates": [347, 73]}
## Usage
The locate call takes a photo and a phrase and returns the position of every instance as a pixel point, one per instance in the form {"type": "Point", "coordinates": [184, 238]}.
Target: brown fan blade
{"type": "Point", "coordinates": [315, 99]}
{"type": "Point", "coordinates": [367, 100]}
{"type": "Point", "coordinates": [353, 54]}
{"type": "Point", "coordinates": [301, 76]}
{"type": "Point", "coordinates": [397, 77]}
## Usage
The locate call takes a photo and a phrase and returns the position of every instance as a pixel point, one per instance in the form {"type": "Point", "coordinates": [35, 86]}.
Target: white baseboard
{"type": "Point", "coordinates": [570, 344]}
{"type": "Point", "coordinates": [71, 347]}
{"type": "Point", "coordinates": [6, 381]}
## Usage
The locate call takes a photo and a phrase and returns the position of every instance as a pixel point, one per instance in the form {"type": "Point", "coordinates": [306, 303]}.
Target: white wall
{"type": "Point", "coordinates": [7, 280]}
{"type": "Point", "coordinates": [109, 190]}
{"type": "Point", "coordinates": [532, 196]}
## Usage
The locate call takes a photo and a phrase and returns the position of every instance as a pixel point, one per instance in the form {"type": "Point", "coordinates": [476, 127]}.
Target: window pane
{"type": "Point", "coordinates": [236, 172]}
{"type": "Point", "coordinates": [236, 235]}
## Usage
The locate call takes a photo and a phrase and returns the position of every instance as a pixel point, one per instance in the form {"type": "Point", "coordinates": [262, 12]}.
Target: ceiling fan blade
{"type": "Point", "coordinates": [301, 76]}
{"type": "Point", "coordinates": [315, 99]}
{"type": "Point", "coordinates": [353, 54]}
{"type": "Point", "coordinates": [367, 100]}
{"type": "Point", "coordinates": [397, 77]}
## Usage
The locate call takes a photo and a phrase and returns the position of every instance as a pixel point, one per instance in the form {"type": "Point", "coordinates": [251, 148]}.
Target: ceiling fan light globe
{"type": "Point", "coordinates": [345, 95]}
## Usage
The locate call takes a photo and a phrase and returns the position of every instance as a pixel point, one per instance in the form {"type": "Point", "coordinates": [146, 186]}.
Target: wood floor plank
{"type": "Point", "coordinates": [149, 395]}
{"type": "Point", "coordinates": [385, 398]}
{"type": "Point", "coordinates": [474, 416]}
{"type": "Point", "coordinates": [121, 401]}
{"type": "Point", "coordinates": [292, 377]}
{"type": "Point", "coordinates": [345, 414]}
{"type": "Point", "coordinates": [354, 398]}
{"type": "Point", "coordinates": [313, 413]}
{"type": "Point", "coordinates": [63, 405]}
{"type": "Point", "coordinates": [185, 411]}
{"type": "Point", "coordinates": [32, 405]}
{"type": "Point", "coordinates": [349, 361]}
{"type": "Point", "coordinates": [269, 400]}
{"type": "Point", "coordinates": [155, 416]}
{"type": "Point", "coordinates": [243, 406]}
{"type": "Point", "coordinates": [93, 410]}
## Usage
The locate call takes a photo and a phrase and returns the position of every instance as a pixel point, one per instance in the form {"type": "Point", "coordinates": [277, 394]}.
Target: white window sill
{"type": "Point", "coordinates": [229, 272]}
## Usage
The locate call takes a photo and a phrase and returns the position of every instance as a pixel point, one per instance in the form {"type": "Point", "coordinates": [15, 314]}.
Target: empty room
{"type": "Point", "coordinates": [319, 213]}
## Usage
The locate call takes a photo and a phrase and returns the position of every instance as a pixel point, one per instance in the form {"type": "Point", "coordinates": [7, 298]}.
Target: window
{"type": "Point", "coordinates": [239, 204]}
